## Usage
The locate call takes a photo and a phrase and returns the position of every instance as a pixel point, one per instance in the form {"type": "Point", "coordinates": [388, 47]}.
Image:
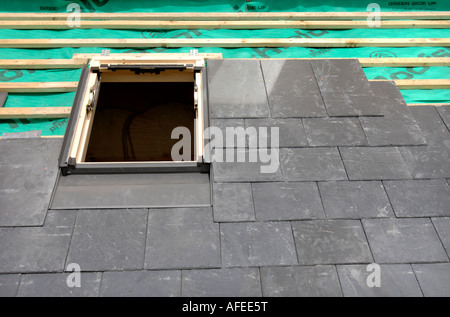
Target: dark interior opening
{"type": "Point", "coordinates": [134, 121]}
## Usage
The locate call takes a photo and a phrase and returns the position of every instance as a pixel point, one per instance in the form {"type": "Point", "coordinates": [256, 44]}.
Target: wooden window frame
{"type": "Point", "coordinates": [115, 69]}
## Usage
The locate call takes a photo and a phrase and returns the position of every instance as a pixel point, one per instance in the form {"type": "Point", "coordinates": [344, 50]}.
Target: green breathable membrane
{"type": "Point", "coordinates": [57, 127]}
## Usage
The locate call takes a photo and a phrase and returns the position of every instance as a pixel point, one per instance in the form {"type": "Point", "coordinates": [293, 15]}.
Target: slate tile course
{"type": "Point", "coordinates": [36, 249]}
{"type": "Point", "coordinates": [300, 281]}
{"type": "Point", "coordinates": [30, 172]}
{"type": "Point", "coordinates": [223, 124]}
{"type": "Point", "coordinates": [434, 279]}
{"type": "Point", "coordinates": [251, 168]}
{"type": "Point", "coordinates": [393, 130]}
{"type": "Point", "coordinates": [55, 285]}
{"type": "Point", "coordinates": [355, 200]}
{"type": "Point", "coordinates": [404, 241]}
{"type": "Point", "coordinates": [427, 162]}
{"type": "Point", "coordinates": [330, 242]}
{"type": "Point", "coordinates": [235, 282]}
{"type": "Point", "coordinates": [290, 131]}
{"type": "Point", "coordinates": [352, 104]}
{"type": "Point", "coordinates": [396, 280]}
{"type": "Point", "coordinates": [345, 89]}
{"type": "Point", "coordinates": [9, 284]}
{"type": "Point", "coordinates": [334, 132]}
{"type": "Point", "coordinates": [444, 112]}
{"type": "Point", "coordinates": [442, 225]}
{"type": "Point", "coordinates": [292, 89]}
{"type": "Point", "coordinates": [380, 163]}
{"type": "Point", "coordinates": [257, 244]}
{"type": "Point", "coordinates": [419, 198]}
{"type": "Point", "coordinates": [182, 238]}
{"type": "Point", "coordinates": [141, 284]}
{"type": "Point", "coordinates": [233, 202]}
{"type": "Point", "coordinates": [287, 201]}
{"type": "Point", "coordinates": [389, 99]}
{"type": "Point", "coordinates": [312, 164]}
{"type": "Point", "coordinates": [432, 126]}
{"type": "Point", "coordinates": [245, 80]}
{"type": "Point", "coordinates": [109, 239]}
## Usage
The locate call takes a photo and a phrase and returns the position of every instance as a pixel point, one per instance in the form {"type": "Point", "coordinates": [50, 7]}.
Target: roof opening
{"type": "Point", "coordinates": [134, 121]}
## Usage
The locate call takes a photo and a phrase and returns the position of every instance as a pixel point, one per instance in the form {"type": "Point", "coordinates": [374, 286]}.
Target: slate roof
{"type": "Point", "coordinates": [362, 179]}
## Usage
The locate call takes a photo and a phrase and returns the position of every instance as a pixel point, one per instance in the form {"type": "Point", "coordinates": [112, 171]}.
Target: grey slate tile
{"type": "Point", "coordinates": [236, 89]}
{"type": "Point", "coordinates": [331, 242]}
{"type": "Point", "coordinates": [308, 106]}
{"type": "Point", "coordinates": [432, 126]}
{"type": "Point", "coordinates": [9, 284]}
{"type": "Point", "coordinates": [141, 284]}
{"type": "Point", "coordinates": [292, 89]}
{"type": "Point", "coordinates": [374, 163]}
{"type": "Point", "coordinates": [182, 238]}
{"type": "Point", "coordinates": [3, 97]}
{"type": "Point", "coordinates": [434, 279]}
{"type": "Point", "coordinates": [233, 202]}
{"type": "Point", "coordinates": [61, 218]}
{"type": "Point", "coordinates": [444, 112]}
{"type": "Point", "coordinates": [36, 249]}
{"type": "Point", "coordinates": [22, 135]}
{"type": "Point", "coordinates": [427, 162]}
{"type": "Point", "coordinates": [55, 285]}
{"type": "Point", "coordinates": [257, 165]}
{"type": "Point", "coordinates": [300, 281]}
{"type": "Point", "coordinates": [223, 124]}
{"type": "Point", "coordinates": [351, 104]}
{"type": "Point", "coordinates": [257, 244]}
{"type": "Point", "coordinates": [290, 131]}
{"type": "Point", "coordinates": [28, 168]}
{"type": "Point", "coordinates": [345, 89]}
{"type": "Point", "coordinates": [235, 282]}
{"type": "Point", "coordinates": [392, 130]}
{"type": "Point", "coordinates": [396, 280]}
{"type": "Point", "coordinates": [334, 132]}
{"type": "Point", "coordinates": [355, 200]}
{"type": "Point", "coordinates": [419, 198]}
{"type": "Point", "coordinates": [389, 99]}
{"type": "Point", "coordinates": [349, 71]}
{"type": "Point", "coordinates": [109, 239]}
{"type": "Point", "coordinates": [287, 201]}
{"type": "Point", "coordinates": [404, 241]}
{"type": "Point", "coordinates": [312, 164]}
{"type": "Point", "coordinates": [442, 226]}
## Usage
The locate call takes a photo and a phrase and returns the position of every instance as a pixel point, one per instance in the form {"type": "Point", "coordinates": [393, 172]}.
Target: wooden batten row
{"type": "Point", "coordinates": [80, 60]}
{"type": "Point", "coordinates": [35, 113]}
{"type": "Point", "coordinates": [42, 63]}
{"type": "Point", "coordinates": [38, 87]}
{"type": "Point", "coordinates": [230, 16]}
{"type": "Point", "coordinates": [422, 83]}
{"type": "Point", "coordinates": [246, 25]}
